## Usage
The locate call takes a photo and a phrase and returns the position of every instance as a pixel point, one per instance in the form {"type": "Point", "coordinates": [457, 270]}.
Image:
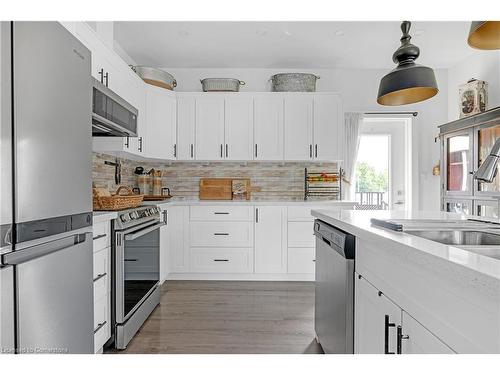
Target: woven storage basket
{"type": "Point", "coordinates": [118, 201]}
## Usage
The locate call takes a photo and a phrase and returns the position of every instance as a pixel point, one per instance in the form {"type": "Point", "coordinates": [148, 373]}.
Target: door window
{"type": "Point", "coordinates": [457, 159]}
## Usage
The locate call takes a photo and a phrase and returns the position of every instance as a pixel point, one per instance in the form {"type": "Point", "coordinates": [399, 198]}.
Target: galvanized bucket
{"type": "Point", "coordinates": [296, 82]}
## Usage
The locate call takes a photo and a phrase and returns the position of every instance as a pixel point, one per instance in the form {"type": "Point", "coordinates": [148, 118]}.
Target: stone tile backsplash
{"type": "Point", "coordinates": [277, 180]}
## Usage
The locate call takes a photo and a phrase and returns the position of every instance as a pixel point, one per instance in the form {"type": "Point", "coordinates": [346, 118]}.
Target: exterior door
{"type": "Point", "coordinates": [327, 109]}
{"type": "Point", "coordinates": [270, 239]}
{"type": "Point", "coordinates": [375, 320]}
{"type": "Point", "coordinates": [268, 127]}
{"type": "Point", "coordinates": [417, 339]}
{"type": "Point", "coordinates": [298, 127]}
{"type": "Point", "coordinates": [210, 128]}
{"type": "Point", "coordinates": [238, 128]}
{"type": "Point", "coordinates": [185, 127]}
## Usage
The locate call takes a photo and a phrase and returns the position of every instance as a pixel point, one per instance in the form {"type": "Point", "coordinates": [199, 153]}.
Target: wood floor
{"type": "Point", "coordinates": [219, 317]}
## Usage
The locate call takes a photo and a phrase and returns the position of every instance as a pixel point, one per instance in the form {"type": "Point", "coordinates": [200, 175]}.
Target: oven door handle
{"type": "Point", "coordinates": [140, 233]}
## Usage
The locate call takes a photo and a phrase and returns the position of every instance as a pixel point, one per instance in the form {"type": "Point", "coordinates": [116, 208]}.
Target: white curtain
{"type": "Point", "coordinates": [352, 129]}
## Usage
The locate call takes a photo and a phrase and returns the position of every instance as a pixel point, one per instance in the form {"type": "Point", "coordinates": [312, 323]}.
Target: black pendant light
{"type": "Point", "coordinates": [484, 35]}
{"type": "Point", "coordinates": [408, 82]}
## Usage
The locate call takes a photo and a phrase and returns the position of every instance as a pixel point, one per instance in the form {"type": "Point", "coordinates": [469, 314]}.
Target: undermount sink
{"type": "Point", "coordinates": [458, 237]}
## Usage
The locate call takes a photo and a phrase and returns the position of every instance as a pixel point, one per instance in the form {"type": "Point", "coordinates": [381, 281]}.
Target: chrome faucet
{"type": "Point", "coordinates": [488, 169]}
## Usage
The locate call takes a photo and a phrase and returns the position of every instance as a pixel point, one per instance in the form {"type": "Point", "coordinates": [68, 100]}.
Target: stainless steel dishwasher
{"type": "Point", "coordinates": [334, 300]}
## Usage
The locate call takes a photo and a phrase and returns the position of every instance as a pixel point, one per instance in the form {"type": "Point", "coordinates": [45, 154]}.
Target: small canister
{"type": "Point", "coordinates": [144, 183]}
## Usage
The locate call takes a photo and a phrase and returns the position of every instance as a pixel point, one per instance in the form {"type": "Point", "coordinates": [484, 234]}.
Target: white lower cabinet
{"type": "Point", "coordinates": [224, 260]}
{"type": "Point", "coordinates": [270, 239]}
{"type": "Point", "coordinates": [301, 260]}
{"type": "Point", "coordinates": [165, 239]}
{"type": "Point", "coordinates": [102, 284]}
{"type": "Point", "coordinates": [382, 327]}
{"type": "Point", "coordinates": [221, 234]}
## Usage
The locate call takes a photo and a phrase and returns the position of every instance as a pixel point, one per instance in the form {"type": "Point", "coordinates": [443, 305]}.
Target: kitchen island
{"type": "Point", "coordinates": [438, 298]}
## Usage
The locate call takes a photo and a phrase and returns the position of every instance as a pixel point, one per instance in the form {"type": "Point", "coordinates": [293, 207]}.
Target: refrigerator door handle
{"type": "Point", "coordinates": [22, 256]}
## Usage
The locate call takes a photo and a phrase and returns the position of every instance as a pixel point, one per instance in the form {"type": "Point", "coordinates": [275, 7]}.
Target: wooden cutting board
{"type": "Point", "coordinates": [216, 189]}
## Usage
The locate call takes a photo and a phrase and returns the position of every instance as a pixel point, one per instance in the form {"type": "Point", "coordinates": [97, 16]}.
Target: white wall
{"type": "Point", "coordinates": [483, 65]}
{"type": "Point", "coordinates": [359, 92]}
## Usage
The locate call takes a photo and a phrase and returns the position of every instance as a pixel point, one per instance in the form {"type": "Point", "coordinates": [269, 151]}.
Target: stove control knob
{"type": "Point", "coordinates": [123, 218]}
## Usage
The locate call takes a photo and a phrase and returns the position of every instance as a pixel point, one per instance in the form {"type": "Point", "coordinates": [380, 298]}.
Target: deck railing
{"type": "Point", "coordinates": [371, 200]}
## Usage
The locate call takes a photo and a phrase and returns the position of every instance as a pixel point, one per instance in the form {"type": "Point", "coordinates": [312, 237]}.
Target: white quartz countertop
{"type": "Point", "coordinates": [101, 216]}
{"type": "Point", "coordinates": [194, 202]}
{"type": "Point", "coordinates": [358, 223]}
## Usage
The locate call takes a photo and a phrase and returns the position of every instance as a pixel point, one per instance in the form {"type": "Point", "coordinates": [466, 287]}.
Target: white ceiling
{"type": "Point", "coordinates": [365, 45]}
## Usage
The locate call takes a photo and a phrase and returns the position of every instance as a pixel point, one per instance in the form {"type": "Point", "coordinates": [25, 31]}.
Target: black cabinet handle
{"type": "Point", "coordinates": [106, 77]}
{"type": "Point", "coordinates": [99, 326]}
{"type": "Point", "coordinates": [315, 150]}
{"type": "Point", "coordinates": [256, 215]}
{"type": "Point", "coordinates": [256, 150]}
{"type": "Point", "coordinates": [131, 260]}
{"type": "Point", "coordinates": [192, 151]}
{"type": "Point", "coordinates": [401, 337]}
{"type": "Point", "coordinates": [127, 142]}
{"type": "Point", "coordinates": [221, 213]}
{"type": "Point", "coordinates": [387, 325]}
{"type": "Point", "coordinates": [101, 73]}
{"type": "Point", "coordinates": [221, 260]}
{"type": "Point", "coordinates": [221, 152]}
{"type": "Point", "coordinates": [99, 236]}
{"type": "Point", "coordinates": [140, 144]}
{"type": "Point", "coordinates": [100, 276]}
{"type": "Point", "coordinates": [165, 217]}
{"type": "Point", "coordinates": [227, 151]}
{"type": "Point", "coordinates": [311, 151]}
{"type": "Point", "coordinates": [175, 150]}
{"type": "Point", "coordinates": [221, 234]}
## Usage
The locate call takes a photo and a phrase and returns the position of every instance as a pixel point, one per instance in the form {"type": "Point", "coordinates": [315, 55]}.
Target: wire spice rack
{"type": "Point", "coordinates": [323, 184]}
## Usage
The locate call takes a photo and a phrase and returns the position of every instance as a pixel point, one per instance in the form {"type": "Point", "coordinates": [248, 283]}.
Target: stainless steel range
{"type": "Point", "coordinates": [136, 270]}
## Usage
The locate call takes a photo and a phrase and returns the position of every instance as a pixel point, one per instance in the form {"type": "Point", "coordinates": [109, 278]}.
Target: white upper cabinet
{"type": "Point", "coordinates": [327, 130]}
{"type": "Point", "coordinates": [270, 239]}
{"type": "Point", "coordinates": [186, 127]}
{"type": "Point", "coordinates": [298, 127]}
{"type": "Point", "coordinates": [161, 123]}
{"type": "Point", "coordinates": [210, 128]}
{"type": "Point", "coordinates": [238, 127]}
{"type": "Point", "coordinates": [268, 127]}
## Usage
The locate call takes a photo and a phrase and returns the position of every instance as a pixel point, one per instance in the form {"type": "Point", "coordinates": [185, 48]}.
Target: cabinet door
{"type": "Point", "coordinates": [327, 124]}
{"type": "Point", "coordinates": [210, 128]}
{"type": "Point", "coordinates": [160, 118]}
{"type": "Point", "coordinates": [270, 239]}
{"type": "Point", "coordinates": [177, 222]}
{"type": "Point", "coordinates": [238, 129]}
{"type": "Point", "coordinates": [298, 127]}
{"type": "Point", "coordinates": [186, 110]}
{"type": "Point", "coordinates": [416, 339]}
{"type": "Point", "coordinates": [375, 320]}
{"type": "Point", "coordinates": [268, 127]}
{"type": "Point", "coordinates": [457, 149]}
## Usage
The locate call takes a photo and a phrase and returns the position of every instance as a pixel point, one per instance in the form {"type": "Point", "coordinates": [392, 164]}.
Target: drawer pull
{"type": "Point", "coordinates": [221, 213]}
{"type": "Point", "coordinates": [99, 236]}
{"type": "Point", "coordinates": [314, 260]}
{"type": "Point", "coordinates": [131, 260]}
{"type": "Point", "coordinates": [99, 326]}
{"type": "Point", "coordinates": [221, 260]}
{"type": "Point", "coordinates": [100, 276]}
{"type": "Point", "coordinates": [221, 234]}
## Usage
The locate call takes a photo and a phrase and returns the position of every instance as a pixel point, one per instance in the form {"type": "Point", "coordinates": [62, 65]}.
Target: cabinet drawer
{"type": "Point", "coordinates": [301, 234]}
{"type": "Point", "coordinates": [101, 262]}
{"type": "Point", "coordinates": [221, 213]}
{"type": "Point", "coordinates": [300, 213]}
{"type": "Point", "coordinates": [301, 260]}
{"type": "Point", "coordinates": [101, 286]}
{"type": "Point", "coordinates": [101, 235]}
{"type": "Point", "coordinates": [221, 234]}
{"type": "Point", "coordinates": [102, 326]}
{"type": "Point", "coordinates": [236, 260]}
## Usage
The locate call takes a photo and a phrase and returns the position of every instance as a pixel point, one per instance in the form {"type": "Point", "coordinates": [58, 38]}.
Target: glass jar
{"type": "Point", "coordinates": [156, 186]}
{"type": "Point", "coordinates": [144, 183]}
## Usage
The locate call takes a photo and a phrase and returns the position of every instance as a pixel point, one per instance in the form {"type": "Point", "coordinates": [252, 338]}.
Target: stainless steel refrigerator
{"type": "Point", "coordinates": [46, 218]}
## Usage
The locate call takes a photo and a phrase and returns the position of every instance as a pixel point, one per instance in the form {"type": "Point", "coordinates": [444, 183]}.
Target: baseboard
{"type": "Point", "coordinates": [240, 277]}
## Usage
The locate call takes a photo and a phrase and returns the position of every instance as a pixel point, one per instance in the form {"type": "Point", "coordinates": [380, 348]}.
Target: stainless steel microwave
{"type": "Point", "coordinates": [111, 114]}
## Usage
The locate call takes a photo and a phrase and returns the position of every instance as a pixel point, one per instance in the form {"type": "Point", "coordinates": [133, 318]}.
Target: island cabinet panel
{"type": "Point", "coordinates": [455, 304]}
{"type": "Point", "coordinates": [376, 320]}
{"type": "Point", "coordinates": [416, 339]}
{"type": "Point", "coordinates": [270, 239]}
